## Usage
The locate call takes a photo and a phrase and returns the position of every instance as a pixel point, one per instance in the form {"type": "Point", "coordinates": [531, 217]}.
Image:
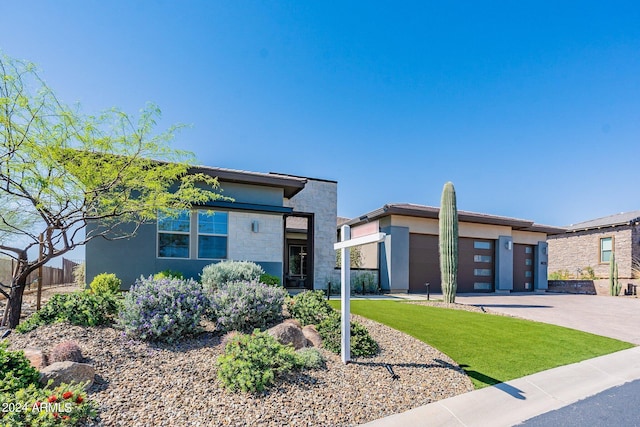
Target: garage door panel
{"type": "Point", "coordinates": [523, 268]}
{"type": "Point", "coordinates": [424, 264]}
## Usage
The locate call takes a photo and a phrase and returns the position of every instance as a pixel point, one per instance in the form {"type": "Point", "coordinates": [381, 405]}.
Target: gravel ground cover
{"type": "Point", "coordinates": [141, 384]}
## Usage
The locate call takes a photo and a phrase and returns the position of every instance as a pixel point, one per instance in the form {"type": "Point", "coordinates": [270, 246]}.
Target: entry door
{"type": "Point", "coordinates": [298, 266]}
{"type": "Point", "coordinates": [523, 256]}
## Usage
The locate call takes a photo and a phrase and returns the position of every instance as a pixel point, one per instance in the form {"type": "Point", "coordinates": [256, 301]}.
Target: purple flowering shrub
{"type": "Point", "coordinates": [244, 306]}
{"type": "Point", "coordinates": [164, 309]}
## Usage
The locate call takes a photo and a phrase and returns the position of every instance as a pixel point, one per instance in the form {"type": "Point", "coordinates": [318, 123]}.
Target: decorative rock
{"type": "Point", "coordinates": [294, 322]}
{"type": "Point", "coordinates": [288, 333]}
{"type": "Point", "coordinates": [37, 357]}
{"type": "Point", "coordinates": [313, 337]}
{"type": "Point", "coordinates": [66, 372]}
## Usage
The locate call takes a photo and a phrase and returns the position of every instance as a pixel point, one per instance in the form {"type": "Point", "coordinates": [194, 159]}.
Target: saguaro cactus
{"type": "Point", "coordinates": [614, 283]}
{"type": "Point", "coordinates": [448, 243]}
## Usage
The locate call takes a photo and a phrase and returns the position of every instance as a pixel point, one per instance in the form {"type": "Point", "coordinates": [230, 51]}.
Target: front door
{"type": "Point", "coordinates": [298, 260]}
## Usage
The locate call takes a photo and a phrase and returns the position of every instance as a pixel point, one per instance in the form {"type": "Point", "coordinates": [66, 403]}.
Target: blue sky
{"type": "Point", "coordinates": [532, 109]}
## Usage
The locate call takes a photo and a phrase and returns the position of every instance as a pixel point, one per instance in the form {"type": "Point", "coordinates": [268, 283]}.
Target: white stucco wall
{"type": "Point", "coordinates": [266, 245]}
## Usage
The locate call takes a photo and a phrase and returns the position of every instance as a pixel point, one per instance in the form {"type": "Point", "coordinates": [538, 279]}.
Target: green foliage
{"type": "Point", "coordinates": [251, 363]}
{"type": "Point", "coordinates": [16, 371]}
{"type": "Point", "coordinates": [614, 284]}
{"type": "Point", "coordinates": [164, 309]}
{"type": "Point", "coordinates": [83, 308]}
{"type": "Point", "coordinates": [168, 274]}
{"type": "Point", "coordinates": [310, 358]}
{"type": "Point", "coordinates": [529, 347]}
{"type": "Point", "coordinates": [309, 307]}
{"type": "Point", "coordinates": [559, 275]}
{"type": "Point", "coordinates": [215, 275]}
{"type": "Point", "coordinates": [79, 274]}
{"type": "Point", "coordinates": [448, 243]}
{"type": "Point", "coordinates": [356, 257]}
{"type": "Point", "coordinates": [588, 273]}
{"type": "Point", "coordinates": [269, 279]}
{"type": "Point", "coordinates": [243, 306]}
{"type": "Point", "coordinates": [105, 283]}
{"type": "Point", "coordinates": [362, 344]}
{"type": "Point", "coordinates": [368, 279]}
{"type": "Point", "coordinates": [61, 168]}
{"type": "Point", "coordinates": [32, 406]}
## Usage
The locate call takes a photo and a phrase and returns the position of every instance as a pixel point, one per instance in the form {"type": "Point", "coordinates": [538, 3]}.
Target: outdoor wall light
{"type": "Point", "coordinates": [509, 245]}
{"type": "Point", "coordinates": [255, 226]}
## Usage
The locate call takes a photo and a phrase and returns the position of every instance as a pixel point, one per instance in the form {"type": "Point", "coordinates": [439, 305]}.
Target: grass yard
{"type": "Point", "coordinates": [491, 348]}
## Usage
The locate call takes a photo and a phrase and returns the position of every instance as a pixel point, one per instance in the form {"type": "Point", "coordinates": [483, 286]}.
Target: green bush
{"type": "Point", "coordinates": [250, 363]}
{"type": "Point", "coordinates": [214, 275]}
{"type": "Point", "coordinates": [16, 371]}
{"type": "Point", "coordinates": [269, 279]}
{"type": "Point", "coordinates": [168, 274]}
{"type": "Point", "coordinates": [309, 307]}
{"type": "Point", "coordinates": [105, 283]}
{"type": "Point", "coordinates": [362, 345]}
{"type": "Point", "coordinates": [559, 275]}
{"type": "Point", "coordinates": [309, 358]}
{"type": "Point", "coordinates": [83, 308]}
{"type": "Point", "coordinates": [33, 406]}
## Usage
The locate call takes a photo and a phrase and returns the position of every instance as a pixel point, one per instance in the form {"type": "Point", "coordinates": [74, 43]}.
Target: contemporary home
{"type": "Point", "coordinates": [591, 244]}
{"type": "Point", "coordinates": [284, 223]}
{"type": "Point", "coordinates": [496, 254]}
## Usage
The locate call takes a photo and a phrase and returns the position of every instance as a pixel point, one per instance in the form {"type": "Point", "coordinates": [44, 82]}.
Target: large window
{"type": "Point", "coordinates": [173, 234]}
{"type": "Point", "coordinates": [212, 234]}
{"type": "Point", "coordinates": [606, 249]}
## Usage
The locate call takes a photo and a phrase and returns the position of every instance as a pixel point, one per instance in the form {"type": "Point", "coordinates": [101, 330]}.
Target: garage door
{"type": "Point", "coordinates": [523, 268]}
{"type": "Point", "coordinates": [424, 264]}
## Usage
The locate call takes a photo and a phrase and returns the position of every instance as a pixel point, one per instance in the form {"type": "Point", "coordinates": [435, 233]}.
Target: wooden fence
{"type": "Point", "coordinates": [50, 275]}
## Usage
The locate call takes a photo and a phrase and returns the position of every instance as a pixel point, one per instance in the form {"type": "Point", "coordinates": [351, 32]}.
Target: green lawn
{"type": "Point", "coordinates": [490, 348]}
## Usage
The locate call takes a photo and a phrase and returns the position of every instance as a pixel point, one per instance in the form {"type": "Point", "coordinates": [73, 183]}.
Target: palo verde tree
{"type": "Point", "coordinates": [448, 243]}
{"type": "Point", "coordinates": [60, 170]}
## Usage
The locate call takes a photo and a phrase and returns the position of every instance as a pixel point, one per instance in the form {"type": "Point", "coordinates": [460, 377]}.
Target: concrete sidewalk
{"type": "Point", "coordinates": [510, 403]}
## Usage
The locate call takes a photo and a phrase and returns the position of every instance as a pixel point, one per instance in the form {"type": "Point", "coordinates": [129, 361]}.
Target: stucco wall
{"type": "Point", "coordinates": [321, 199]}
{"type": "Point", "coordinates": [572, 251]}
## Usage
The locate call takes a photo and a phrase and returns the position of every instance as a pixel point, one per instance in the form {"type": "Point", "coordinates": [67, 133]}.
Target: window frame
{"type": "Point", "coordinates": [601, 252]}
{"type": "Point", "coordinates": [183, 233]}
{"type": "Point", "coordinates": [196, 212]}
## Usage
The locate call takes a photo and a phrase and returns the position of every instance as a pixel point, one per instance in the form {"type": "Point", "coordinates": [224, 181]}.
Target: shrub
{"type": "Point", "coordinates": [32, 406]}
{"type": "Point", "coordinates": [309, 307]}
{"type": "Point", "coordinates": [370, 285]}
{"type": "Point", "coordinates": [243, 306]}
{"type": "Point", "coordinates": [214, 275]}
{"type": "Point", "coordinates": [269, 279]}
{"type": "Point", "coordinates": [251, 362]}
{"type": "Point", "coordinates": [105, 284]}
{"type": "Point", "coordinates": [163, 309]}
{"type": "Point", "coordinates": [16, 371]}
{"type": "Point", "coordinates": [81, 308]}
{"type": "Point", "coordinates": [362, 345]}
{"type": "Point", "coordinates": [168, 274]}
{"type": "Point", "coordinates": [79, 272]}
{"type": "Point", "coordinates": [309, 358]}
{"type": "Point", "coordinates": [66, 351]}
{"type": "Point", "coordinates": [559, 275]}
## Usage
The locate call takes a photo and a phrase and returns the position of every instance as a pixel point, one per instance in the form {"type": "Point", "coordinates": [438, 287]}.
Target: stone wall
{"type": "Point", "coordinates": [264, 245]}
{"type": "Point", "coordinates": [320, 198]}
{"type": "Point", "coordinates": [573, 251]}
{"type": "Point", "coordinates": [589, 287]}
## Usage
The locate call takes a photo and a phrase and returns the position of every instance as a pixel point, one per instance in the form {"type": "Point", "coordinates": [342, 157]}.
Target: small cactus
{"type": "Point", "coordinates": [448, 243]}
{"type": "Point", "coordinates": [614, 284]}
{"type": "Point", "coordinates": [66, 351]}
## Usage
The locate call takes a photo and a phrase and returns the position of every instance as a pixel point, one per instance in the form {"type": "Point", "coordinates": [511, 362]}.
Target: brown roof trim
{"type": "Point", "coordinates": [291, 185]}
{"type": "Point", "coordinates": [421, 211]}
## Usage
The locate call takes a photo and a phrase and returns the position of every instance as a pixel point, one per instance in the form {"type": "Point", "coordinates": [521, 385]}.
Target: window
{"type": "Point", "coordinates": [528, 250]}
{"type": "Point", "coordinates": [482, 272]}
{"type": "Point", "coordinates": [482, 258]}
{"type": "Point", "coordinates": [528, 274]}
{"type": "Point", "coordinates": [481, 245]}
{"type": "Point", "coordinates": [528, 261]}
{"type": "Point", "coordinates": [212, 234]}
{"type": "Point", "coordinates": [481, 286]}
{"type": "Point", "coordinates": [297, 265]}
{"type": "Point", "coordinates": [173, 234]}
{"type": "Point", "coordinates": [606, 249]}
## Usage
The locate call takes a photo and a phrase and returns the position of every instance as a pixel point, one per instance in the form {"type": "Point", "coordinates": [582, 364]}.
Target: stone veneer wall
{"type": "Point", "coordinates": [320, 198]}
{"type": "Point", "coordinates": [265, 245]}
{"type": "Point", "coordinates": [581, 249]}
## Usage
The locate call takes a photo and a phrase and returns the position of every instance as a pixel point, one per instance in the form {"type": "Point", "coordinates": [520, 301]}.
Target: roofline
{"type": "Point", "coordinates": [291, 185]}
{"type": "Point", "coordinates": [463, 216]}
{"type": "Point", "coordinates": [303, 177]}
{"type": "Point", "coordinates": [574, 229]}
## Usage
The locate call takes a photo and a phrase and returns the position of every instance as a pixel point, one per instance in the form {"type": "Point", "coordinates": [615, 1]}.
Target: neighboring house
{"type": "Point", "coordinates": [284, 223]}
{"type": "Point", "coordinates": [496, 254]}
{"type": "Point", "coordinates": [591, 244]}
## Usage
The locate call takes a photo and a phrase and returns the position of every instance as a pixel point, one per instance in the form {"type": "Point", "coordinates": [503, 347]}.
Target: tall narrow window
{"type": "Point", "coordinates": [606, 249]}
{"type": "Point", "coordinates": [173, 234]}
{"type": "Point", "coordinates": [212, 234]}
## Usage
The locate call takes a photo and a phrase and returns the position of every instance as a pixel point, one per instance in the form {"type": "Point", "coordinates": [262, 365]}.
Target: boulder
{"type": "Point", "coordinates": [313, 337]}
{"type": "Point", "coordinates": [36, 356]}
{"type": "Point", "coordinates": [295, 322]}
{"type": "Point", "coordinates": [66, 372]}
{"type": "Point", "coordinates": [288, 333]}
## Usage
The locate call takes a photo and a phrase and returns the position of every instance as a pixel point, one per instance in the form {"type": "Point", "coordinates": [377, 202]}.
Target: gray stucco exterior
{"type": "Point", "coordinates": [394, 259]}
{"type": "Point", "coordinates": [504, 264]}
{"type": "Point", "coordinates": [541, 261]}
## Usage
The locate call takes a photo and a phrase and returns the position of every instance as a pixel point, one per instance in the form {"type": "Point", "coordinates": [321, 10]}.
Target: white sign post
{"type": "Point", "coordinates": [345, 277]}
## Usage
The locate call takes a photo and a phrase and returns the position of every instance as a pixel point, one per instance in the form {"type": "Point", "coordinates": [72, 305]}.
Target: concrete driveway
{"type": "Point", "coordinates": [615, 317]}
